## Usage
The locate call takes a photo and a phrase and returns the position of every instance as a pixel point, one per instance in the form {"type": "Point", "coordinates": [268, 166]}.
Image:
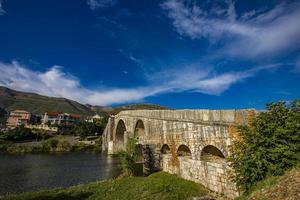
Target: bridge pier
{"type": "Point", "coordinates": [151, 160]}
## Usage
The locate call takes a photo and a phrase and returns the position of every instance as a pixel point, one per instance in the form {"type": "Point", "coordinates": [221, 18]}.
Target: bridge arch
{"type": "Point", "coordinates": [120, 135]}
{"type": "Point", "coordinates": [211, 153]}
{"type": "Point", "coordinates": [139, 129]}
{"type": "Point", "coordinates": [165, 149]}
{"type": "Point", "coordinates": [184, 151]}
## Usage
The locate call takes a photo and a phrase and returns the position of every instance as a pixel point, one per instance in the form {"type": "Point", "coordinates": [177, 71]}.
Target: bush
{"type": "Point", "coordinates": [63, 145]}
{"type": "Point", "coordinates": [128, 158]}
{"type": "Point", "coordinates": [268, 146]}
{"type": "Point", "coordinates": [18, 134]}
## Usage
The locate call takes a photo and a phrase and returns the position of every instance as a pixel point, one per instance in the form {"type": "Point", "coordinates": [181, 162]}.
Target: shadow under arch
{"type": "Point", "coordinates": [120, 135]}
{"type": "Point", "coordinates": [184, 151]}
{"type": "Point", "coordinates": [165, 149]}
{"type": "Point", "coordinates": [211, 153]}
{"type": "Point", "coordinates": [139, 129]}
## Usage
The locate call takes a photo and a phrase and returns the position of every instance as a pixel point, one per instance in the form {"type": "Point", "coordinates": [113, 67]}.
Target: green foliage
{"type": "Point", "coordinates": [128, 157]}
{"type": "Point", "coordinates": [18, 134]}
{"type": "Point", "coordinates": [84, 129]}
{"type": "Point", "coordinates": [52, 145]}
{"type": "Point", "coordinates": [3, 114]}
{"type": "Point", "coordinates": [63, 129]}
{"type": "Point", "coordinates": [159, 186]}
{"type": "Point", "coordinates": [269, 145]}
{"type": "Point", "coordinates": [276, 187]}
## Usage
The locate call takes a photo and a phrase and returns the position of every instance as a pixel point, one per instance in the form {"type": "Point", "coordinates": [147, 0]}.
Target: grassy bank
{"type": "Point", "coordinates": [51, 145]}
{"type": "Point", "coordinates": [158, 186]}
{"type": "Point", "coordinates": [285, 187]}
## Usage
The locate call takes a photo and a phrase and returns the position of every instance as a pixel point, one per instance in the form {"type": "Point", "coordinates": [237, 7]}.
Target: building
{"type": "Point", "coordinates": [93, 118]}
{"type": "Point", "coordinates": [60, 118]}
{"type": "Point", "coordinates": [50, 117]}
{"type": "Point", "coordinates": [18, 117]}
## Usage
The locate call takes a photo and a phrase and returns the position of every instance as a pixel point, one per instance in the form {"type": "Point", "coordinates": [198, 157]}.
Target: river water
{"type": "Point", "coordinates": [19, 173]}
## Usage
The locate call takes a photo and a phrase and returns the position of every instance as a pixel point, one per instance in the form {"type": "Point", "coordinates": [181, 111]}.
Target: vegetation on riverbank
{"type": "Point", "coordinates": [24, 140]}
{"type": "Point", "coordinates": [158, 186]}
{"type": "Point", "coordinates": [51, 145]}
{"type": "Point", "coordinates": [128, 158]}
{"type": "Point", "coordinates": [268, 146]}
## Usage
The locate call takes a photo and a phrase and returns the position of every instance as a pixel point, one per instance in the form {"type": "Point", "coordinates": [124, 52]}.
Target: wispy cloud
{"type": "Point", "coordinates": [2, 11]}
{"type": "Point", "coordinates": [197, 78]}
{"type": "Point", "coordinates": [297, 65]}
{"type": "Point", "coordinates": [139, 62]}
{"type": "Point", "coordinates": [251, 34]}
{"type": "Point", "coordinates": [55, 82]}
{"type": "Point", "coordinates": [95, 4]}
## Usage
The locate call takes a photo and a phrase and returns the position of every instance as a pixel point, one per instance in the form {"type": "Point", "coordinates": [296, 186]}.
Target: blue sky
{"type": "Point", "coordinates": [181, 54]}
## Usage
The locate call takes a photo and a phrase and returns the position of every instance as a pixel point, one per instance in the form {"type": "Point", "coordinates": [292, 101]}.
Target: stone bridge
{"type": "Point", "coordinates": [193, 144]}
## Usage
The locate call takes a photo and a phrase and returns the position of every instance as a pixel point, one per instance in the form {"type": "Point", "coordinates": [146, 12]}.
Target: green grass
{"type": "Point", "coordinates": [158, 186]}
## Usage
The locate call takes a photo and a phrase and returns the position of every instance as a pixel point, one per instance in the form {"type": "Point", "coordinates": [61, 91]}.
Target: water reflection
{"type": "Point", "coordinates": [39, 171]}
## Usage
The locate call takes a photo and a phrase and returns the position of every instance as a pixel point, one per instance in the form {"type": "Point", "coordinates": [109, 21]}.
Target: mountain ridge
{"type": "Point", "coordinates": [39, 104]}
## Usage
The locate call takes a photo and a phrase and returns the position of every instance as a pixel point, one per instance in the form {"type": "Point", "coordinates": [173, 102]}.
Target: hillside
{"type": "Point", "coordinates": [285, 187]}
{"type": "Point", "coordinates": [116, 110]}
{"type": "Point", "coordinates": [38, 104]}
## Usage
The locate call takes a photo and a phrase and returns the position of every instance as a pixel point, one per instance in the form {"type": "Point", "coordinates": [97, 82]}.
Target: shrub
{"type": "Point", "coordinates": [63, 145]}
{"type": "Point", "coordinates": [128, 158]}
{"type": "Point", "coordinates": [50, 144]}
{"type": "Point", "coordinates": [18, 134]}
{"type": "Point", "coordinates": [268, 146]}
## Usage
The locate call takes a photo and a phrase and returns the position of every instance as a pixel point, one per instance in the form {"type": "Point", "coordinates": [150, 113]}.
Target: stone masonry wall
{"type": "Point", "coordinates": [196, 129]}
{"type": "Point", "coordinates": [214, 176]}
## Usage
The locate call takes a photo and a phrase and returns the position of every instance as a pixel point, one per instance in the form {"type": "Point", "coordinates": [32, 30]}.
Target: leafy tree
{"type": "Point", "coordinates": [19, 133]}
{"type": "Point", "coordinates": [84, 129]}
{"type": "Point", "coordinates": [3, 114]}
{"type": "Point", "coordinates": [268, 145]}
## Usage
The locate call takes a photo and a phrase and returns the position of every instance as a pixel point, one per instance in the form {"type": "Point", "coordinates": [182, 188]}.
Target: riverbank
{"type": "Point", "coordinates": [158, 186]}
{"type": "Point", "coordinates": [51, 145]}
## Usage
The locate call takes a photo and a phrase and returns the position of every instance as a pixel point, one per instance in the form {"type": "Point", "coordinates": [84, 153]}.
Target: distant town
{"type": "Point", "coordinates": [49, 121]}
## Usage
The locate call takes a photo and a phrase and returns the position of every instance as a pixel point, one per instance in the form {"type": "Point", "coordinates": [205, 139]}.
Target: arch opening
{"type": "Point", "coordinates": [184, 151]}
{"type": "Point", "coordinates": [120, 134]}
{"type": "Point", "coordinates": [139, 130]}
{"type": "Point", "coordinates": [212, 153]}
{"type": "Point", "coordinates": [165, 149]}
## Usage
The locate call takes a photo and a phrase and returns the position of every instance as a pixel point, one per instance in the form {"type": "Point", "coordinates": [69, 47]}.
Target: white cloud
{"type": "Point", "coordinates": [55, 82]}
{"type": "Point", "coordinates": [254, 33]}
{"type": "Point", "coordinates": [2, 11]}
{"type": "Point", "coordinates": [95, 4]}
{"type": "Point", "coordinates": [203, 80]}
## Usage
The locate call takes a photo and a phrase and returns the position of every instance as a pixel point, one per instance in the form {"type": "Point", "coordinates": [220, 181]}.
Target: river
{"type": "Point", "coordinates": [29, 172]}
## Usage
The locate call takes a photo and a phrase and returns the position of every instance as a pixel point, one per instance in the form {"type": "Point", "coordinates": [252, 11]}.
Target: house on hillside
{"type": "Point", "coordinates": [19, 117]}
{"type": "Point", "coordinates": [93, 118]}
{"type": "Point", "coordinates": [60, 118]}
